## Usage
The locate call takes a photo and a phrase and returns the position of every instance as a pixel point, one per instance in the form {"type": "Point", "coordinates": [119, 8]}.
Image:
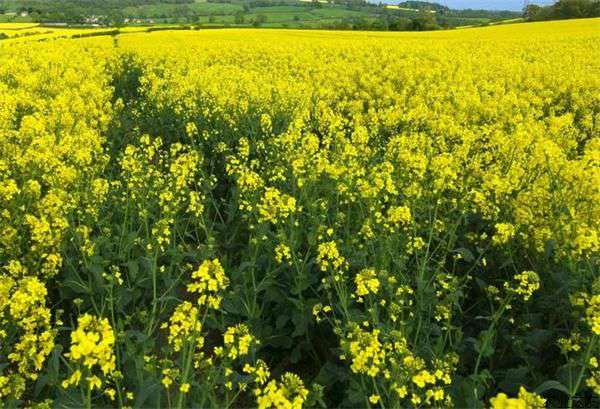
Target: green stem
{"type": "Point", "coordinates": [586, 359]}
{"type": "Point", "coordinates": [154, 292]}
{"type": "Point", "coordinates": [88, 397]}
{"type": "Point", "coordinates": [488, 336]}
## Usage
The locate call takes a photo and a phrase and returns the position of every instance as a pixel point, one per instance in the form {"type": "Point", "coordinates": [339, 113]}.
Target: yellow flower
{"type": "Point", "coordinates": [593, 314]}
{"type": "Point", "coordinates": [398, 216]}
{"type": "Point", "coordinates": [167, 382]}
{"type": "Point", "coordinates": [504, 233]}
{"type": "Point", "coordinates": [94, 382]}
{"type": "Point", "coordinates": [423, 378]}
{"type": "Point", "coordinates": [238, 340]}
{"type": "Point", "coordinates": [367, 352]}
{"type": "Point", "coordinates": [402, 391]}
{"type": "Point", "coordinates": [209, 282]}
{"type": "Point", "coordinates": [282, 252]}
{"type": "Point", "coordinates": [525, 400]}
{"type": "Point", "coordinates": [329, 256]}
{"type": "Point", "coordinates": [92, 348]}
{"type": "Point", "coordinates": [275, 206]}
{"type": "Point", "coordinates": [289, 393]}
{"type": "Point", "coordinates": [366, 283]}
{"type": "Point", "coordinates": [111, 393]}
{"type": "Point", "coordinates": [260, 370]}
{"type": "Point", "coordinates": [184, 326]}
{"type": "Point", "coordinates": [527, 283]}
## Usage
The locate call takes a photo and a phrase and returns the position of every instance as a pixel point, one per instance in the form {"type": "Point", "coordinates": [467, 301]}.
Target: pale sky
{"type": "Point", "coordinates": [488, 4]}
{"type": "Point", "coordinates": [516, 5]}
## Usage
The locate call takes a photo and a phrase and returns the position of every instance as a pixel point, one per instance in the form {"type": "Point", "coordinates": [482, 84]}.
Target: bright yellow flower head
{"type": "Point", "coordinates": [289, 393]}
{"type": "Point", "coordinates": [525, 400]}
{"type": "Point", "coordinates": [209, 281]}
{"type": "Point", "coordinates": [366, 283]}
{"type": "Point", "coordinates": [238, 341]}
{"type": "Point", "coordinates": [92, 349]}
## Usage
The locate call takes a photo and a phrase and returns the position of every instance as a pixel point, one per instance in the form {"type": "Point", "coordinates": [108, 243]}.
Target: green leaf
{"type": "Point", "coordinates": [514, 378]}
{"type": "Point", "coordinates": [549, 385]}
{"type": "Point", "coordinates": [146, 390]}
{"type": "Point", "coordinates": [282, 320]}
{"type": "Point", "coordinates": [133, 269]}
{"type": "Point", "coordinates": [76, 286]}
{"type": "Point", "coordinates": [466, 254]}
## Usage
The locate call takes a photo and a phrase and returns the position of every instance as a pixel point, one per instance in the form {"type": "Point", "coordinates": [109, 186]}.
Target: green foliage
{"type": "Point", "coordinates": [563, 9]}
{"type": "Point", "coordinates": [343, 14]}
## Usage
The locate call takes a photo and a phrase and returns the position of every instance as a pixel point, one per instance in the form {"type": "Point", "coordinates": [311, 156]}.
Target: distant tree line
{"type": "Point", "coordinates": [443, 11]}
{"type": "Point", "coordinates": [385, 23]}
{"type": "Point", "coordinates": [423, 5]}
{"type": "Point", "coordinates": [476, 13]}
{"type": "Point", "coordinates": [77, 10]}
{"type": "Point", "coordinates": [563, 9]}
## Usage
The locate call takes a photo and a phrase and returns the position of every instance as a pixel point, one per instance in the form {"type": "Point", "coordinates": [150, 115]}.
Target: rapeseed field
{"type": "Point", "coordinates": [287, 219]}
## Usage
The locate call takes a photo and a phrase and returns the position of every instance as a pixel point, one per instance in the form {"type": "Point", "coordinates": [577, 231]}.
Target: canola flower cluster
{"type": "Point", "coordinates": [524, 400]}
{"type": "Point", "coordinates": [287, 219]}
{"type": "Point", "coordinates": [287, 393]}
{"type": "Point", "coordinates": [91, 353]}
{"type": "Point", "coordinates": [208, 282]}
{"type": "Point", "coordinates": [25, 325]}
{"type": "Point", "coordinates": [404, 379]}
